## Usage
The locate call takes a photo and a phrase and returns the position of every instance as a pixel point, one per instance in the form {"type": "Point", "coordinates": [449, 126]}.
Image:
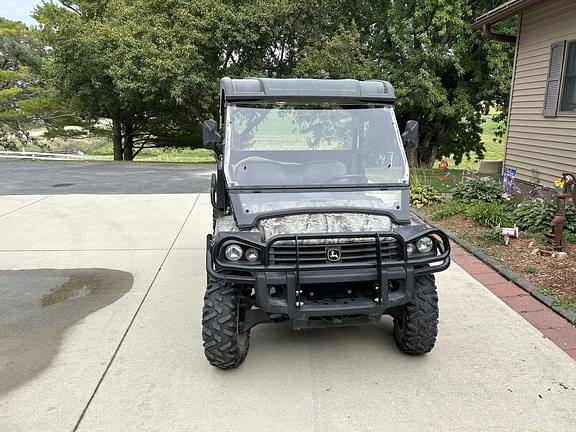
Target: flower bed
{"type": "Point", "coordinates": [476, 211]}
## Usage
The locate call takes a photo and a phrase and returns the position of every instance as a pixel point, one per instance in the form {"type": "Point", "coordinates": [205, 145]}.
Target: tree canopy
{"type": "Point", "coordinates": [23, 98]}
{"type": "Point", "coordinates": [152, 66]}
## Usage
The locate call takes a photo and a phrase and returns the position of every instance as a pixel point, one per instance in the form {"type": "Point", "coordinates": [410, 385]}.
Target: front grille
{"type": "Point", "coordinates": [311, 253]}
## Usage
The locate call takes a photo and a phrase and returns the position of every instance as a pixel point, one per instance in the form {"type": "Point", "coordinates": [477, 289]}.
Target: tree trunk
{"type": "Point", "coordinates": [117, 139]}
{"type": "Point", "coordinates": [128, 144]}
{"type": "Point", "coordinates": [425, 163]}
{"type": "Point", "coordinates": [434, 148]}
{"type": "Point", "coordinates": [412, 155]}
{"type": "Point", "coordinates": [433, 156]}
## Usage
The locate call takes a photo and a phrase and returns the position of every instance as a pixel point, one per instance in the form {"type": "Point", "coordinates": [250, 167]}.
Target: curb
{"type": "Point", "coordinates": [504, 271]}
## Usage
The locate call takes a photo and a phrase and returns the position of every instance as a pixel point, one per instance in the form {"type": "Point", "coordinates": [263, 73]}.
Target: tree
{"type": "Point", "coordinates": [445, 73]}
{"type": "Point", "coordinates": [24, 101]}
{"type": "Point", "coordinates": [337, 56]}
{"type": "Point", "coordinates": [265, 37]}
{"type": "Point", "coordinates": [139, 63]}
{"type": "Point", "coordinates": [153, 66]}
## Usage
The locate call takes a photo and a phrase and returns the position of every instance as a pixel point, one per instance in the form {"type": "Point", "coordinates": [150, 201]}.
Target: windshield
{"type": "Point", "coordinates": [288, 145]}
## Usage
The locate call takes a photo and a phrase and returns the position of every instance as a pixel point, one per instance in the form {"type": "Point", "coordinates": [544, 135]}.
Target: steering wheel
{"type": "Point", "coordinates": [345, 178]}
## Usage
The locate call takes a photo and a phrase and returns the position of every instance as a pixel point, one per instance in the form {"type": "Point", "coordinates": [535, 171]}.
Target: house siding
{"type": "Point", "coordinates": [540, 148]}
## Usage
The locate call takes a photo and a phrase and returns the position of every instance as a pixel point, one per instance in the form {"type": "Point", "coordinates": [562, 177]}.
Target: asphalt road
{"type": "Point", "coordinates": [100, 311]}
{"type": "Point", "coordinates": [61, 178]}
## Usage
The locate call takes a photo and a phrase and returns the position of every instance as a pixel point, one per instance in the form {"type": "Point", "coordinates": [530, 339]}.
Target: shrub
{"type": "Point", "coordinates": [571, 219]}
{"type": "Point", "coordinates": [570, 237]}
{"type": "Point", "coordinates": [491, 214]}
{"type": "Point", "coordinates": [492, 235]}
{"type": "Point", "coordinates": [478, 189]}
{"type": "Point", "coordinates": [424, 195]}
{"type": "Point", "coordinates": [535, 215]}
{"type": "Point", "coordinates": [449, 209]}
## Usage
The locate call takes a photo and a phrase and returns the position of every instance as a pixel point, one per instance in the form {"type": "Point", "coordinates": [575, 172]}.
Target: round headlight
{"type": "Point", "coordinates": [425, 245]}
{"type": "Point", "coordinates": [410, 248]}
{"type": "Point", "coordinates": [251, 255]}
{"type": "Point", "coordinates": [233, 252]}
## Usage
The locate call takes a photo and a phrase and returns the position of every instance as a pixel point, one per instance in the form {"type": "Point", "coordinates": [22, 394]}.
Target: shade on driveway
{"type": "Point", "coordinates": [25, 177]}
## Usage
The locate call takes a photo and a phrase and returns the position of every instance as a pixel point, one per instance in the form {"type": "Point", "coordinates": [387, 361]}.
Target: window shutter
{"type": "Point", "coordinates": [554, 79]}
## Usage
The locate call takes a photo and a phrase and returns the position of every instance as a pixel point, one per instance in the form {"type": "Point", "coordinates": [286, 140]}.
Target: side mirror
{"type": "Point", "coordinates": [411, 137]}
{"type": "Point", "coordinates": [211, 138]}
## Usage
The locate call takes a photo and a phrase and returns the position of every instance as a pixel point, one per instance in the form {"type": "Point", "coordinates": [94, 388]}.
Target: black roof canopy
{"type": "Point", "coordinates": [275, 89]}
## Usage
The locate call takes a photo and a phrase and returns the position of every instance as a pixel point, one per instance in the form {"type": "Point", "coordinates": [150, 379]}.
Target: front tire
{"type": "Point", "coordinates": [416, 326]}
{"type": "Point", "coordinates": [225, 345]}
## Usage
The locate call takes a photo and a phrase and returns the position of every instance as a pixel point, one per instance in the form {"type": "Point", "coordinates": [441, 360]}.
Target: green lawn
{"type": "Point", "coordinates": [162, 155]}
{"type": "Point", "coordinates": [494, 147]}
{"type": "Point", "coordinates": [433, 177]}
{"type": "Point", "coordinates": [200, 155]}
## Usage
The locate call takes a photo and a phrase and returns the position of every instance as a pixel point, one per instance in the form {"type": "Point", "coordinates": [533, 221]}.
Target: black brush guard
{"type": "Point", "coordinates": [338, 311]}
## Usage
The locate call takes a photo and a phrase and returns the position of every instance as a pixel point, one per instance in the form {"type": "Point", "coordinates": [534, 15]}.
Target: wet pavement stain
{"type": "Point", "coordinates": [38, 306]}
{"type": "Point", "coordinates": [78, 285]}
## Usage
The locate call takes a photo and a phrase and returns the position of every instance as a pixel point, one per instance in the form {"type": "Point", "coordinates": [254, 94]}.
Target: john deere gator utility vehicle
{"type": "Point", "coordinates": [312, 224]}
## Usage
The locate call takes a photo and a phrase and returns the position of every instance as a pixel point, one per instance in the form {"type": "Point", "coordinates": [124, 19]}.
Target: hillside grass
{"type": "Point", "coordinates": [494, 147]}
{"type": "Point", "coordinates": [433, 177]}
{"type": "Point", "coordinates": [174, 155]}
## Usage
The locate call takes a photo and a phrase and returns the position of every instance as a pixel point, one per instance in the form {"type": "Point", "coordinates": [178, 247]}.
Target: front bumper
{"type": "Point", "coordinates": [393, 280]}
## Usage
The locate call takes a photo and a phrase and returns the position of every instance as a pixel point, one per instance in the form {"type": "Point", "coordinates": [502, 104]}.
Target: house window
{"type": "Point", "coordinates": [568, 101]}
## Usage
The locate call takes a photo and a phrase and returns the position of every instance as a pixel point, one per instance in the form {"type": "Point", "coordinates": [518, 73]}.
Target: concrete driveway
{"type": "Point", "coordinates": [100, 309]}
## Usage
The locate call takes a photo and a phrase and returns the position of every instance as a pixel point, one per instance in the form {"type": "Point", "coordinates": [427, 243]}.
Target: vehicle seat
{"type": "Point", "coordinates": [260, 171]}
{"type": "Point", "coordinates": [319, 172]}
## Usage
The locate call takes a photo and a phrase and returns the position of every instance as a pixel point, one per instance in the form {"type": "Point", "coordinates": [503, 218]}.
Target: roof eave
{"type": "Point", "coordinates": [502, 12]}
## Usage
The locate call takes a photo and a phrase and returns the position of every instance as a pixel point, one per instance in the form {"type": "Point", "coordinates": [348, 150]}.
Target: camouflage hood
{"type": "Point", "coordinates": [318, 223]}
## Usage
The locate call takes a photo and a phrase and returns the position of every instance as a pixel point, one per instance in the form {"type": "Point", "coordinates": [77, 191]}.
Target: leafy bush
{"type": "Point", "coordinates": [492, 235]}
{"type": "Point", "coordinates": [424, 195]}
{"type": "Point", "coordinates": [491, 214]}
{"type": "Point", "coordinates": [571, 220]}
{"type": "Point", "coordinates": [478, 189]}
{"type": "Point", "coordinates": [535, 215]}
{"type": "Point", "coordinates": [570, 237]}
{"type": "Point", "coordinates": [449, 209]}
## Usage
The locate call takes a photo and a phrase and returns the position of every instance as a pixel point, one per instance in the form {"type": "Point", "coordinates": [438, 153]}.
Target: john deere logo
{"type": "Point", "coordinates": [333, 255]}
